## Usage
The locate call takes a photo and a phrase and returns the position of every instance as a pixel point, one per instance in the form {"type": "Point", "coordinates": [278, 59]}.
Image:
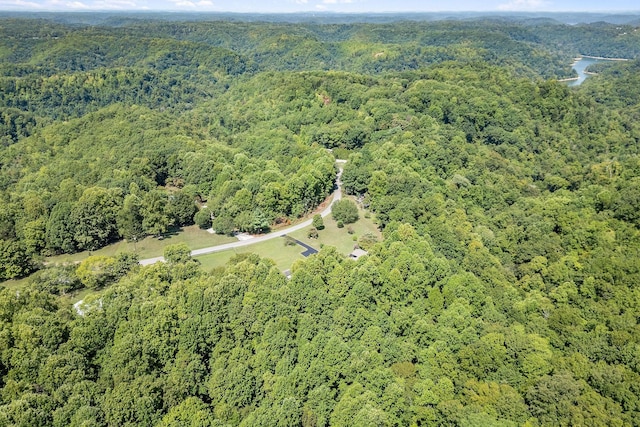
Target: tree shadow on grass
{"type": "Point", "coordinates": [173, 231]}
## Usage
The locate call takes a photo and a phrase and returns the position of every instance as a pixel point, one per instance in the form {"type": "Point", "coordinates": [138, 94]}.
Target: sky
{"type": "Point", "coordinates": [351, 6]}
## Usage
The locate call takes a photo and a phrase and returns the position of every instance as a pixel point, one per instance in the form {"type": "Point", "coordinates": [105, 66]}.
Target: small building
{"type": "Point", "coordinates": [357, 253]}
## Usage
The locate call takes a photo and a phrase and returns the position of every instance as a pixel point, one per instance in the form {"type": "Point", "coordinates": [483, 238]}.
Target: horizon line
{"type": "Point", "coordinates": [634, 11]}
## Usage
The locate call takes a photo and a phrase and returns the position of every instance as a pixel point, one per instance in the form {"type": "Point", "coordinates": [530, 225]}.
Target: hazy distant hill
{"type": "Point", "coordinates": [124, 18]}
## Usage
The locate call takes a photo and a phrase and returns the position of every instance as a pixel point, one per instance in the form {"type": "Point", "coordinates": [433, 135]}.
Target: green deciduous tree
{"type": "Point", "coordinates": [130, 217]}
{"type": "Point", "coordinates": [59, 229]}
{"type": "Point", "coordinates": [177, 254]}
{"type": "Point", "coordinates": [345, 211]}
{"type": "Point", "coordinates": [34, 235]}
{"type": "Point", "coordinates": [96, 271]}
{"type": "Point", "coordinates": [317, 222]}
{"type": "Point", "coordinates": [14, 260]}
{"type": "Point", "coordinates": [94, 217]}
{"type": "Point", "coordinates": [182, 208]}
{"type": "Point", "coordinates": [223, 225]}
{"type": "Point", "coordinates": [192, 412]}
{"type": "Point", "coordinates": [203, 219]}
{"type": "Point", "coordinates": [156, 219]}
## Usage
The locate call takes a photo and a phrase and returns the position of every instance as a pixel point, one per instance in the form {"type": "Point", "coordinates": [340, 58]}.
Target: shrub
{"type": "Point", "coordinates": [203, 218]}
{"type": "Point", "coordinates": [317, 222]}
{"type": "Point", "coordinates": [367, 240]}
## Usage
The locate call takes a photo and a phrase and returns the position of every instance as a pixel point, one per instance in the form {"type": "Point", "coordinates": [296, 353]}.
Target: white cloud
{"type": "Point", "coordinates": [76, 5]}
{"type": "Point", "coordinates": [114, 5]}
{"type": "Point", "coordinates": [99, 5]}
{"type": "Point", "coordinates": [18, 4]}
{"type": "Point", "coordinates": [333, 4]}
{"type": "Point", "coordinates": [524, 5]}
{"type": "Point", "coordinates": [73, 5]}
{"type": "Point", "coordinates": [206, 4]}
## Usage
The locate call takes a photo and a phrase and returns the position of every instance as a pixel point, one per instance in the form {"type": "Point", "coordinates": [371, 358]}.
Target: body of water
{"type": "Point", "coordinates": [580, 66]}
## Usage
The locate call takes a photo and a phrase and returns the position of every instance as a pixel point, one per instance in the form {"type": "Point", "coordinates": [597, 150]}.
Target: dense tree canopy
{"type": "Point", "coordinates": [504, 291]}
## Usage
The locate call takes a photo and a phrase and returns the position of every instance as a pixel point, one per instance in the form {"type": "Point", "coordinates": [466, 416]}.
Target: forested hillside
{"type": "Point", "coordinates": [505, 291]}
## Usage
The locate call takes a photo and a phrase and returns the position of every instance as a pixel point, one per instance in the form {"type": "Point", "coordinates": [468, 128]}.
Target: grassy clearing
{"type": "Point", "coordinates": [340, 237]}
{"type": "Point", "coordinates": [193, 236]}
{"type": "Point", "coordinates": [80, 294]}
{"type": "Point", "coordinates": [15, 283]}
{"type": "Point", "coordinates": [275, 249]}
{"type": "Point", "coordinates": [284, 256]}
{"type": "Point", "coordinates": [151, 247]}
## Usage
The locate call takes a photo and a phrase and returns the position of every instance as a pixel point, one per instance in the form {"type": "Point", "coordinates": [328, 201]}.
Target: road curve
{"type": "Point", "coordinates": [337, 195]}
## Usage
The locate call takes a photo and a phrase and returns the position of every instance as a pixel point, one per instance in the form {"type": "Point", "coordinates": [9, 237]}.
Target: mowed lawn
{"type": "Point", "coordinates": [275, 249]}
{"type": "Point", "coordinates": [150, 247]}
{"type": "Point", "coordinates": [340, 237]}
{"type": "Point", "coordinates": [284, 255]}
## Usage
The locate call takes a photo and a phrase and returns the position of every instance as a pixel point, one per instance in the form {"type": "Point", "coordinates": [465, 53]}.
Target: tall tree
{"type": "Point", "coordinates": [94, 217]}
{"type": "Point", "coordinates": [14, 260]}
{"type": "Point", "coordinates": [59, 229]}
{"type": "Point", "coordinates": [154, 208]}
{"type": "Point", "coordinates": [130, 218]}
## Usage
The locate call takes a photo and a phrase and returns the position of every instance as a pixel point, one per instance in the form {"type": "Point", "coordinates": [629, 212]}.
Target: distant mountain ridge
{"type": "Point", "coordinates": [128, 17]}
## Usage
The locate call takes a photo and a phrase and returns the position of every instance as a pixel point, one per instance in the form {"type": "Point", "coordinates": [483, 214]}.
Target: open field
{"type": "Point", "coordinates": [340, 237]}
{"type": "Point", "coordinates": [193, 236]}
{"type": "Point", "coordinates": [284, 256]}
{"type": "Point", "coordinates": [275, 249]}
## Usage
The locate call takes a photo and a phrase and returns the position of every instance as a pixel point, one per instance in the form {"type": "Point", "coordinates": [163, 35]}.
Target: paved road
{"type": "Point", "coordinates": [309, 250]}
{"type": "Point", "coordinates": [337, 195]}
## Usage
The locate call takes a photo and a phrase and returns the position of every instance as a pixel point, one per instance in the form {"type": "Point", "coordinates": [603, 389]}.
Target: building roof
{"type": "Point", "coordinates": [357, 253]}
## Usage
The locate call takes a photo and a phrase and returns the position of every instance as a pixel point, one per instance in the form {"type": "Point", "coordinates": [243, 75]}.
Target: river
{"type": "Point", "coordinates": [580, 66]}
